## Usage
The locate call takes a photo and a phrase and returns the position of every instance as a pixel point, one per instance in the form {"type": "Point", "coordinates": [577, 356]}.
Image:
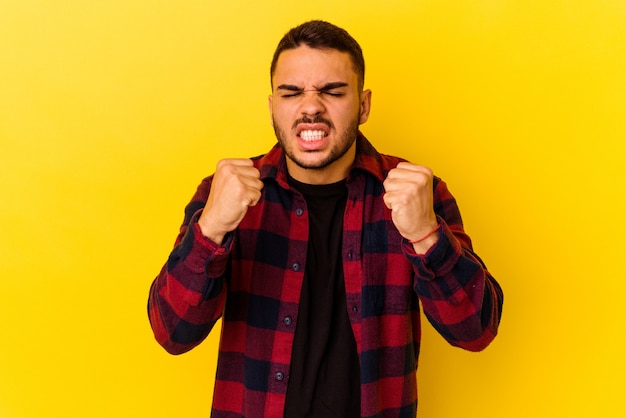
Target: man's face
{"type": "Point", "coordinates": [316, 107]}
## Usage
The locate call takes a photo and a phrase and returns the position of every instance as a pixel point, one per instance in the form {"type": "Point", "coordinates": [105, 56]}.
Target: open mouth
{"type": "Point", "coordinates": [312, 135]}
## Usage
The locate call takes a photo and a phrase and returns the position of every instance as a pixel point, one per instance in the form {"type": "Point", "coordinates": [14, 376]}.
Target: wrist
{"type": "Point", "coordinates": [210, 232]}
{"type": "Point", "coordinates": [425, 242]}
{"type": "Point", "coordinates": [426, 236]}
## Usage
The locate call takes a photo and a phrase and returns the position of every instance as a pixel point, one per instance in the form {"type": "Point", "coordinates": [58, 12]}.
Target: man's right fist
{"type": "Point", "coordinates": [236, 186]}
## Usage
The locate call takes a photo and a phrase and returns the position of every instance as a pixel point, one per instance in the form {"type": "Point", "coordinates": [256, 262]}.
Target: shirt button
{"type": "Point", "coordinates": [279, 376]}
{"type": "Point", "coordinates": [350, 255]}
{"type": "Point", "coordinates": [295, 266]}
{"type": "Point", "coordinates": [299, 212]}
{"type": "Point", "coordinates": [287, 320]}
{"type": "Point", "coordinates": [355, 308]}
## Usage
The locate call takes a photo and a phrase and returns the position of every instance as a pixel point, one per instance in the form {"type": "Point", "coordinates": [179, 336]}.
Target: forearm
{"type": "Point", "coordinates": [459, 296]}
{"type": "Point", "coordinates": [188, 295]}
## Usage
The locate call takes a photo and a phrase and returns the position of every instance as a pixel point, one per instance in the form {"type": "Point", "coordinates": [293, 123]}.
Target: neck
{"type": "Point", "coordinates": [333, 173]}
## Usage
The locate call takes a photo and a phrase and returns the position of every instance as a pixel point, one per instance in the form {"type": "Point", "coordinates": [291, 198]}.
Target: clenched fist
{"type": "Point", "coordinates": [236, 186]}
{"type": "Point", "coordinates": [409, 195]}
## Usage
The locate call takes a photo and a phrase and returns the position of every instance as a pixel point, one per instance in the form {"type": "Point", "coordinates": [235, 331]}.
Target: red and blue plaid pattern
{"type": "Point", "coordinates": [253, 281]}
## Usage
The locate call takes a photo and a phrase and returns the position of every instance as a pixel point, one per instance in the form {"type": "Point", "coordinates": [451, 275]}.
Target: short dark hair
{"type": "Point", "coordinates": [319, 34]}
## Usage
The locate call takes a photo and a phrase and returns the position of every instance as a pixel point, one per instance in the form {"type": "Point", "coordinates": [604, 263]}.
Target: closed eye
{"type": "Point", "coordinates": [330, 89]}
{"type": "Point", "coordinates": [321, 92]}
{"type": "Point", "coordinates": [295, 94]}
{"type": "Point", "coordinates": [331, 93]}
{"type": "Point", "coordinates": [289, 90]}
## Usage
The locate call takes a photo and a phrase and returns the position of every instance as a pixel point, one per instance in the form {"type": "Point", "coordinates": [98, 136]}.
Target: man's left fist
{"type": "Point", "coordinates": [409, 195]}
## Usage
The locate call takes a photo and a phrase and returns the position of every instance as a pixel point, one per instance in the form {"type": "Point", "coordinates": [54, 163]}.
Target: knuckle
{"type": "Point", "coordinates": [223, 163]}
{"type": "Point", "coordinates": [422, 179]}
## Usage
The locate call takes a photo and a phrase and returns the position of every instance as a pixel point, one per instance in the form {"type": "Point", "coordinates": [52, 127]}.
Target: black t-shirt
{"type": "Point", "coordinates": [324, 379]}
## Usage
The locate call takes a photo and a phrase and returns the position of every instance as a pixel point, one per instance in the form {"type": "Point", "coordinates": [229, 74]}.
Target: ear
{"type": "Point", "coordinates": [366, 103]}
{"type": "Point", "coordinates": [269, 105]}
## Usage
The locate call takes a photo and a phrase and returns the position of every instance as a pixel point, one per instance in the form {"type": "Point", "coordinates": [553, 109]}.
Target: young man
{"type": "Point", "coordinates": [315, 256]}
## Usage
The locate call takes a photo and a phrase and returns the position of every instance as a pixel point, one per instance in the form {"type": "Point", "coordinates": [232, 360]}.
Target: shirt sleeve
{"type": "Point", "coordinates": [459, 296]}
{"type": "Point", "coordinates": [187, 297]}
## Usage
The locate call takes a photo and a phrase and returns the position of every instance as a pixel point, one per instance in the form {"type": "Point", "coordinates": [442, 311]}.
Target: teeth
{"type": "Point", "coordinates": [312, 135]}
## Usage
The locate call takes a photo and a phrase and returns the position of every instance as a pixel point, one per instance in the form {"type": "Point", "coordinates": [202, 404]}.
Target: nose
{"type": "Point", "coordinates": [311, 103]}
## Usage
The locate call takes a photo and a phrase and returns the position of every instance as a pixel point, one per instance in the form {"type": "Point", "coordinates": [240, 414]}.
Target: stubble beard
{"type": "Point", "coordinates": [341, 147]}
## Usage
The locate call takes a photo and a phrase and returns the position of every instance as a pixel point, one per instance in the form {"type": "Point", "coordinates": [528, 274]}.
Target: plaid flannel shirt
{"type": "Point", "coordinates": [253, 281]}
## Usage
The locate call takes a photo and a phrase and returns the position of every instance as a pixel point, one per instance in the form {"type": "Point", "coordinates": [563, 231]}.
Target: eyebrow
{"type": "Point", "coordinates": [325, 87]}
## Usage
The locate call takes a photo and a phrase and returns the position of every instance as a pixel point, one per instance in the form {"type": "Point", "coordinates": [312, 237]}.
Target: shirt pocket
{"type": "Point", "coordinates": [386, 300]}
{"type": "Point", "coordinates": [387, 284]}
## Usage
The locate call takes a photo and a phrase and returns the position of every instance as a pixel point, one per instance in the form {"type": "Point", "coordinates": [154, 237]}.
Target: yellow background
{"type": "Point", "coordinates": [111, 112]}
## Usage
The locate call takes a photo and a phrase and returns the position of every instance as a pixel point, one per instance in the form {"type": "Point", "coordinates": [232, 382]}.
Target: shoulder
{"type": "Point", "coordinates": [379, 164]}
{"type": "Point", "coordinates": [372, 161]}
